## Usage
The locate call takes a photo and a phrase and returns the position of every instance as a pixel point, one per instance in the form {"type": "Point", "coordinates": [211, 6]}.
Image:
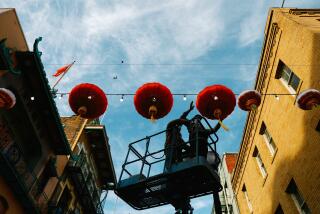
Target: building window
{"type": "Point", "coordinates": [288, 77]}
{"type": "Point", "coordinates": [244, 190]}
{"type": "Point", "coordinates": [296, 196]}
{"type": "Point", "coordinates": [226, 209]}
{"type": "Point", "coordinates": [279, 210]}
{"type": "Point", "coordinates": [227, 189]}
{"type": "Point", "coordinates": [261, 166]}
{"type": "Point", "coordinates": [268, 139]}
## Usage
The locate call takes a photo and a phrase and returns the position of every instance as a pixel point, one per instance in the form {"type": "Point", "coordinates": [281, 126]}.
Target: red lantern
{"type": "Point", "coordinates": [7, 98]}
{"type": "Point", "coordinates": [153, 100]}
{"type": "Point", "coordinates": [88, 100]}
{"type": "Point", "coordinates": [249, 100]}
{"type": "Point", "coordinates": [216, 102]}
{"type": "Point", "coordinates": [308, 99]}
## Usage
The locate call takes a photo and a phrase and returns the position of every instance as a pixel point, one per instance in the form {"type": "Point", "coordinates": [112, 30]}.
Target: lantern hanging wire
{"type": "Point", "coordinates": [183, 94]}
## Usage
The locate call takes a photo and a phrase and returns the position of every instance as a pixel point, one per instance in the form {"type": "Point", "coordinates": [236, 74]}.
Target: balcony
{"type": "Point", "coordinates": [84, 184]}
{"type": "Point", "coordinates": [101, 154]}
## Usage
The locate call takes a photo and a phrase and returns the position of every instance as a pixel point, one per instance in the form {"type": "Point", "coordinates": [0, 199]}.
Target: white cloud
{"type": "Point", "coordinates": [204, 202]}
{"type": "Point", "coordinates": [143, 32]}
{"type": "Point", "coordinates": [163, 32]}
{"type": "Point", "coordinates": [140, 32]}
{"type": "Point", "coordinates": [251, 27]}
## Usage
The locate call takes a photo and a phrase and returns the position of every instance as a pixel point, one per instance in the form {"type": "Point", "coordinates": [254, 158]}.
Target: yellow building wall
{"type": "Point", "coordinates": [297, 44]}
{"type": "Point", "coordinates": [74, 127]}
{"type": "Point", "coordinates": [11, 30]}
{"type": "Point", "coordinates": [14, 205]}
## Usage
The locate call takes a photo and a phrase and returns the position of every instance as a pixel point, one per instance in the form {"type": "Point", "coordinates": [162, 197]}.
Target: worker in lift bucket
{"type": "Point", "coordinates": [175, 144]}
{"type": "Point", "coordinates": [197, 132]}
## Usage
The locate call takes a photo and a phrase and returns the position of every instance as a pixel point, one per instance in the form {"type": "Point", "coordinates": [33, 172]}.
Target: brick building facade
{"type": "Point", "coordinates": [277, 170]}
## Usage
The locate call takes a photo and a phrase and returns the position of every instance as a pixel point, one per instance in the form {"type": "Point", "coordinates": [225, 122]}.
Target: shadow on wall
{"type": "Point", "coordinates": [4, 206]}
{"type": "Point", "coordinates": [304, 165]}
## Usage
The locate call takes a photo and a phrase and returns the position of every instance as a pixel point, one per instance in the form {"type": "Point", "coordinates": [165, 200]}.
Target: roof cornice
{"type": "Point", "coordinates": [250, 129]}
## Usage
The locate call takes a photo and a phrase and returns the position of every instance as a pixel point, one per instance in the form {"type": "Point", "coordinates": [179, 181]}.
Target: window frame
{"type": "Point", "coordinates": [270, 143]}
{"type": "Point", "coordinates": [291, 80]}
{"type": "Point", "coordinates": [283, 68]}
{"type": "Point", "coordinates": [260, 163]}
{"type": "Point", "coordinates": [249, 204]}
{"type": "Point", "coordinates": [297, 197]}
{"type": "Point", "coordinates": [268, 139]}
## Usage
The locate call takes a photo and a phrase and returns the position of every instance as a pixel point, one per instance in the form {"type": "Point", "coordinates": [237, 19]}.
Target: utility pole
{"type": "Point", "coordinates": [283, 1]}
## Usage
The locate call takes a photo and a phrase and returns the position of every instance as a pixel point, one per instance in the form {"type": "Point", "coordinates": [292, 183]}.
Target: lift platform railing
{"type": "Point", "coordinates": [149, 159]}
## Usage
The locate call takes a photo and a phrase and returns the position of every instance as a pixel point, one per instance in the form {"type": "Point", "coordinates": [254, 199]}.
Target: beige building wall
{"type": "Point", "coordinates": [11, 30]}
{"type": "Point", "coordinates": [73, 127]}
{"type": "Point", "coordinates": [292, 36]}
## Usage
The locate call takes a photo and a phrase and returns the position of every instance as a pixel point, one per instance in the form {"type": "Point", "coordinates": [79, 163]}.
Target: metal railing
{"type": "Point", "coordinates": [149, 159]}
{"type": "Point", "coordinates": [83, 177]}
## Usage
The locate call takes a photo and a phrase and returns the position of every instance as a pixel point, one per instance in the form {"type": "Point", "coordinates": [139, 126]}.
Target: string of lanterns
{"type": "Point", "coordinates": [154, 100]}
{"type": "Point", "coordinates": [185, 95]}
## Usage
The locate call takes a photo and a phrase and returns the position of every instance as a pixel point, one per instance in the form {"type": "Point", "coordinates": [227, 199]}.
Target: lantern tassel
{"type": "Point", "coordinates": [254, 107]}
{"type": "Point", "coordinates": [223, 126]}
{"type": "Point", "coordinates": [217, 113]}
{"type": "Point", "coordinates": [152, 112]}
{"type": "Point", "coordinates": [153, 119]}
{"type": "Point", "coordinates": [82, 111]}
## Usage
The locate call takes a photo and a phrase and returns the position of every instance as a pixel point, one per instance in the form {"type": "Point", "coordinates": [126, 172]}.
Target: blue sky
{"type": "Point", "coordinates": [177, 42]}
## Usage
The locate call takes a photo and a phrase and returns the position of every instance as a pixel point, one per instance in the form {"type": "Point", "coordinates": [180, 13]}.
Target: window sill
{"type": "Point", "coordinates": [274, 155]}
{"type": "Point", "coordinates": [290, 89]}
{"type": "Point", "coordinates": [264, 180]}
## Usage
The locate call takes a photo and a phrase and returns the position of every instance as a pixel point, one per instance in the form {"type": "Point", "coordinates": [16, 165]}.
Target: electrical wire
{"type": "Point", "coordinates": [179, 94]}
{"type": "Point", "coordinates": [176, 64]}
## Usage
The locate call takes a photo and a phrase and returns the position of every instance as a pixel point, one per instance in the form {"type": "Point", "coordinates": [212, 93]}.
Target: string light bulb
{"type": "Point", "coordinates": [184, 96]}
